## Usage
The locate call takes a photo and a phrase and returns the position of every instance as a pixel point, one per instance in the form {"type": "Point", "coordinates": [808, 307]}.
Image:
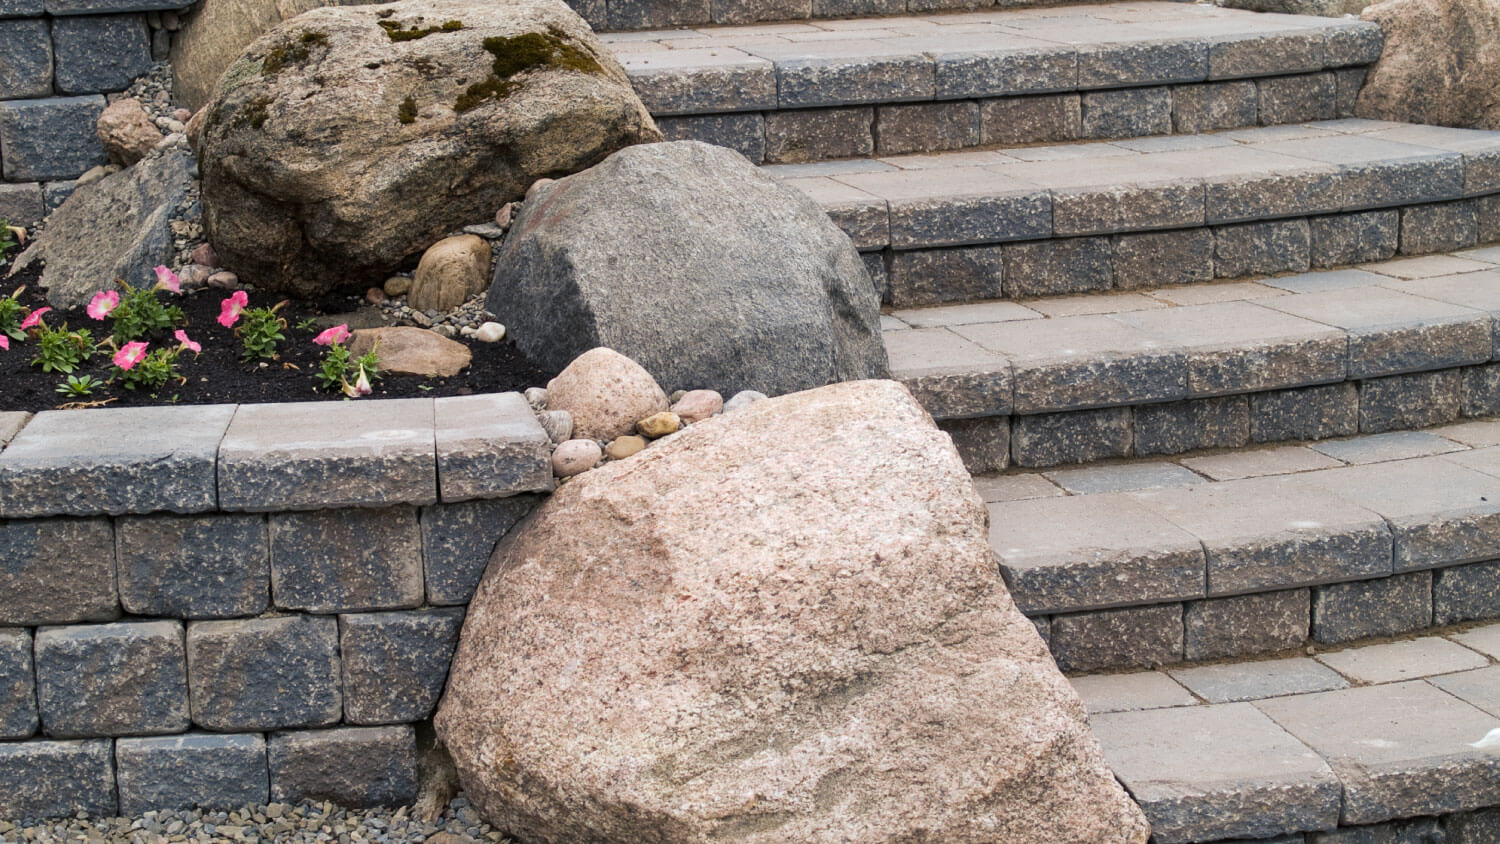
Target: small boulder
{"type": "Point", "coordinates": [118, 227]}
{"type": "Point", "coordinates": [693, 262]}
{"type": "Point", "coordinates": [1440, 64]}
{"type": "Point", "coordinates": [204, 254]}
{"type": "Point", "coordinates": [744, 636]}
{"type": "Point", "coordinates": [659, 425]}
{"type": "Point", "coordinates": [490, 332]}
{"type": "Point", "coordinates": [413, 351]}
{"type": "Point", "coordinates": [575, 457]}
{"type": "Point", "coordinates": [622, 447]}
{"type": "Point", "coordinates": [397, 285]}
{"type": "Point", "coordinates": [536, 397]}
{"type": "Point", "coordinates": [127, 132]}
{"type": "Point", "coordinates": [606, 392]}
{"type": "Point", "coordinates": [697, 405]}
{"type": "Point", "coordinates": [350, 138]}
{"type": "Point", "coordinates": [451, 270]}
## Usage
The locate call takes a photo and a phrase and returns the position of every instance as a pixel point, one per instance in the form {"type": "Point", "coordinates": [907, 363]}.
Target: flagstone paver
{"type": "Point", "coordinates": [1128, 692]}
{"type": "Point", "coordinates": [1252, 680]}
{"type": "Point", "coordinates": [1388, 663]}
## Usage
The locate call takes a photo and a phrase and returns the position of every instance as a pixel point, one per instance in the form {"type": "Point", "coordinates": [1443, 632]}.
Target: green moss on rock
{"type": "Point", "coordinates": [292, 53]}
{"type": "Point", "coordinates": [254, 113]}
{"type": "Point", "coordinates": [519, 53]}
{"type": "Point", "coordinates": [396, 33]}
{"type": "Point", "coordinates": [407, 111]}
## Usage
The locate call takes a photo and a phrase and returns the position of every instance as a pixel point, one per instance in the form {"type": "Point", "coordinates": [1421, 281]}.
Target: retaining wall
{"type": "Point", "coordinates": [221, 605]}
{"type": "Point", "coordinates": [59, 61]}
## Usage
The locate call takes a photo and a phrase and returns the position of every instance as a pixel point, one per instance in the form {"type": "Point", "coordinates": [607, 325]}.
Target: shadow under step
{"type": "Point", "coordinates": [839, 89]}
{"type": "Point", "coordinates": [1373, 743]}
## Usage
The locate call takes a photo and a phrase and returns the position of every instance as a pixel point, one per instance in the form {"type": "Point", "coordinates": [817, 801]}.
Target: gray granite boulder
{"type": "Point", "coordinates": [687, 259]}
{"type": "Point", "coordinates": [117, 228]}
{"type": "Point", "coordinates": [350, 138]}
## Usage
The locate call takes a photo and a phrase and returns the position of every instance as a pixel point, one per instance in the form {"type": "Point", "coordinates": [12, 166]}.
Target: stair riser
{"type": "Point", "coordinates": [818, 134]}
{"type": "Point", "coordinates": [631, 15]}
{"type": "Point", "coordinates": [1139, 260]}
{"type": "Point", "coordinates": [1150, 635]}
{"type": "Point", "coordinates": [1314, 412]}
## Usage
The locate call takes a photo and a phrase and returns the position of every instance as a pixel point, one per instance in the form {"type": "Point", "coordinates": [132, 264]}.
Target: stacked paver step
{"type": "Point", "coordinates": [1159, 211]}
{"type": "Point", "coordinates": [811, 90]}
{"type": "Point", "coordinates": [1254, 551]}
{"type": "Point", "coordinates": [1397, 344]}
{"type": "Point", "coordinates": [1374, 743]}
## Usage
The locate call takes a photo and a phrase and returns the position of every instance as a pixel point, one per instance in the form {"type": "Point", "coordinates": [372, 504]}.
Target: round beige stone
{"type": "Point", "coordinates": [606, 392]}
{"type": "Point", "coordinates": [575, 457]}
{"type": "Point", "coordinates": [451, 270]}
{"type": "Point", "coordinates": [622, 447]}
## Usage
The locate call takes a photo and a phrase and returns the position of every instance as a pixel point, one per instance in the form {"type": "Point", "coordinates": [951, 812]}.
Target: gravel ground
{"type": "Point", "coordinates": [305, 822]}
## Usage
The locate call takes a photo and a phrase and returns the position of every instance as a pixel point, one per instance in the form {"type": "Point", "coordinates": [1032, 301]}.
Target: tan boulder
{"type": "Point", "coordinates": [217, 30]}
{"type": "Point", "coordinates": [607, 393]}
{"type": "Point", "coordinates": [412, 351]}
{"type": "Point", "coordinates": [350, 138]}
{"type": "Point", "coordinates": [451, 270]}
{"type": "Point", "coordinates": [1440, 64]}
{"type": "Point", "coordinates": [127, 132]}
{"type": "Point", "coordinates": [781, 625]}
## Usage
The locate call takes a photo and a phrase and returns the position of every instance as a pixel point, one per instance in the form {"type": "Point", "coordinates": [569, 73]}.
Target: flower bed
{"type": "Point", "coordinates": [195, 358]}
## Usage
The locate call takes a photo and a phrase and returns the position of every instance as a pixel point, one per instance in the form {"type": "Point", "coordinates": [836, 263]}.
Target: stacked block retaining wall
{"type": "Point", "coordinates": [223, 605]}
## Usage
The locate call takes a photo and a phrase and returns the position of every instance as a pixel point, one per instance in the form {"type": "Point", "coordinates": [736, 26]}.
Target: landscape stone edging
{"type": "Point", "coordinates": [270, 457]}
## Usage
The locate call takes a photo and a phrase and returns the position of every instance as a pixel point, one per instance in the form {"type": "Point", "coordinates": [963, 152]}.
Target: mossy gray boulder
{"type": "Point", "coordinates": [694, 263]}
{"type": "Point", "coordinates": [351, 138]}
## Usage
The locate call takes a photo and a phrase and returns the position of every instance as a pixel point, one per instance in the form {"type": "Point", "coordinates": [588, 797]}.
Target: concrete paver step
{"type": "Point", "coordinates": [1371, 741]}
{"type": "Point", "coordinates": [827, 89]}
{"type": "Point", "coordinates": [1116, 216]}
{"type": "Point", "coordinates": [1388, 346]}
{"type": "Point", "coordinates": [1152, 532]}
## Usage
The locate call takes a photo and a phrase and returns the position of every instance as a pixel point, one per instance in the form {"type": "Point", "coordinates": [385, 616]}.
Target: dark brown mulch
{"type": "Point", "coordinates": [218, 376]}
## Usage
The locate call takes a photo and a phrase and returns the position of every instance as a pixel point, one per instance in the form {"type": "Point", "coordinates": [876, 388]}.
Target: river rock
{"type": "Point", "coordinates": [622, 447]}
{"type": "Point", "coordinates": [659, 425]}
{"type": "Point", "coordinates": [697, 405]}
{"type": "Point", "coordinates": [451, 270]}
{"type": "Point", "coordinates": [118, 227]}
{"type": "Point", "coordinates": [558, 424]}
{"type": "Point", "coordinates": [690, 260]}
{"type": "Point", "coordinates": [127, 132]}
{"type": "Point", "coordinates": [350, 138]}
{"type": "Point", "coordinates": [743, 398]}
{"type": "Point", "coordinates": [412, 351]}
{"type": "Point", "coordinates": [575, 457]}
{"type": "Point", "coordinates": [744, 636]}
{"type": "Point", "coordinates": [1440, 64]}
{"type": "Point", "coordinates": [606, 393]}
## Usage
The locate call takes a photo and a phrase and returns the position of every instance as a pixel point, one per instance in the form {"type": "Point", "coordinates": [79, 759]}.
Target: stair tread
{"type": "Point", "coordinates": [1259, 748]}
{"type": "Point", "coordinates": [1164, 344]}
{"type": "Point", "coordinates": [1251, 521]}
{"type": "Point", "coordinates": [1169, 182]}
{"type": "Point", "coordinates": [988, 53]}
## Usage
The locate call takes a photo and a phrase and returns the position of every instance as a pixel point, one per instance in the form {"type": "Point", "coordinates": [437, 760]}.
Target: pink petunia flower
{"type": "Point", "coordinates": [229, 312]}
{"type": "Point", "coordinates": [130, 354]}
{"type": "Point", "coordinates": [4, 342]}
{"type": "Point", "coordinates": [186, 343]}
{"type": "Point", "coordinates": [336, 334]}
{"type": "Point", "coordinates": [35, 318]}
{"type": "Point", "coordinates": [103, 302]}
{"type": "Point", "coordinates": [167, 279]}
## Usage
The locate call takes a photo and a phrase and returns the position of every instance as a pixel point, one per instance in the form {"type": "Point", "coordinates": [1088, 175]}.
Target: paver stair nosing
{"type": "Point", "coordinates": [998, 358]}
{"type": "Point", "coordinates": [1250, 748]}
{"type": "Point", "coordinates": [991, 53]}
{"type": "Point", "coordinates": [1247, 175]}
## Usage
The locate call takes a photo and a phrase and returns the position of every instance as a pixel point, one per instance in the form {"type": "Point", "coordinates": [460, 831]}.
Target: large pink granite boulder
{"type": "Point", "coordinates": [780, 625]}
